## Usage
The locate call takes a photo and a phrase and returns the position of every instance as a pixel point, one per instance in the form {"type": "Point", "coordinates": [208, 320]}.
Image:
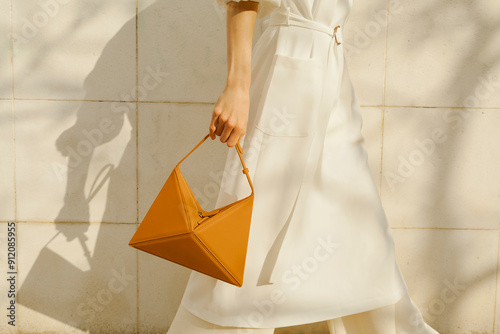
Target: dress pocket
{"type": "Point", "coordinates": [291, 97]}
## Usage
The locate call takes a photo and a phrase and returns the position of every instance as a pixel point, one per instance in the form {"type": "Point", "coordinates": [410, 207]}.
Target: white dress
{"type": "Point", "coordinates": [320, 246]}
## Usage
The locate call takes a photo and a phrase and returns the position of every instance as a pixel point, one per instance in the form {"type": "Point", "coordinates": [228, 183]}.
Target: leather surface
{"type": "Point", "coordinates": [177, 229]}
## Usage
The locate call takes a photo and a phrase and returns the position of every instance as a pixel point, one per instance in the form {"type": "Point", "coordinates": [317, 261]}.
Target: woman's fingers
{"type": "Point", "coordinates": [213, 123]}
{"type": "Point", "coordinates": [235, 136]}
{"type": "Point", "coordinates": [224, 136]}
{"type": "Point", "coordinates": [228, 131]}
{"type": "Point", "coordinates": [230, 116]}
{"type": "Point", "coordinates": [220, 127]}
{"type": "Point", "coordinates": [230, 135]}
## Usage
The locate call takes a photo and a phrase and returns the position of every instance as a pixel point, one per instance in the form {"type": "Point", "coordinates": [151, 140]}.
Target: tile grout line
{"type": "Point", "coordinates": [440, 107]}
{"type": "Point", "coordinates": [211, 103]}
{"type": "Point", "coordinates": [118, 101]}
{"type": "Point", "coordinates": [68, 222]}
{"type": "Point", "coordinates": [137, 153]}
{"type": "Point", "coordinates": [443, 228]}
{"type": "Point", "coordinates": [392, 227]}
{"type": "Point", "coordinates": [496, 284]}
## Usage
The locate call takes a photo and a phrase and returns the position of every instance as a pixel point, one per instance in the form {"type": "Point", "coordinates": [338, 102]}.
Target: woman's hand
{"type": "Point", "coordinates": [230, 115]}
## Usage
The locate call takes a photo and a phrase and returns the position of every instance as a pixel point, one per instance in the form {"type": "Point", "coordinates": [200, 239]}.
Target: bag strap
{"type": "Point", "coordinates": [239, 150]}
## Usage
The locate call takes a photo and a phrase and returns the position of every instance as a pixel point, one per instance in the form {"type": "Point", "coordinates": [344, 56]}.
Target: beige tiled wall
{"type": "Point", "coordinates": [97, 99]}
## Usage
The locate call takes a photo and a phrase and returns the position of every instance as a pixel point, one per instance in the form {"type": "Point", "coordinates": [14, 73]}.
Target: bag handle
{"type": "Point", "coordinates": [239, 150]}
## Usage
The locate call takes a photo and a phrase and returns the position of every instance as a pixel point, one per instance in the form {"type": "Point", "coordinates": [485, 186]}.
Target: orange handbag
{"type": "Point", "coordinates": [177, 229]}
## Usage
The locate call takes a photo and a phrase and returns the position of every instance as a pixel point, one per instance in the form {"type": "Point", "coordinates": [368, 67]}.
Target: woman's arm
{"type": "Point", "coordinates": [230, 114]}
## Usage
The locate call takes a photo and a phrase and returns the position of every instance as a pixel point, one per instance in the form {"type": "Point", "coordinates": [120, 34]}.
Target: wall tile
{"type": "Point", "coordinates": [182, 51]}
{"type": "Point", "coordinates": [439, 170]}
{"type": "Point", "coordinates": [167, 133]}
{"type": "Point", "coordinates": [364, 49]}
{"type": "Point", "coordinates": [74, 49]}
{"type": "Point", "coordinates": [7, 164]}
{"type": "Point", "coordinates": [83, 280]}
{"type": "Point", "coordinates": [444, 53]}
{"type": "Point", "coordinates": [159, 298]}
{"type": "Point", "coordinates": [142, 4]}
{"type": "Point", "coordinates": [449, 273]}
{"type": "Point", "coordinates": [5, 56]}
{"type": "Point", "coordinates": [100, 147]}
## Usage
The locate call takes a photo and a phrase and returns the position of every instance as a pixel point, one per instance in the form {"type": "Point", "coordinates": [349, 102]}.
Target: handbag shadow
{"type": "Point", "coordinates": [51, 275]}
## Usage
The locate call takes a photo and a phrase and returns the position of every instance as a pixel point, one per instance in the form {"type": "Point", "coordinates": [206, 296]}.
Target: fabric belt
{"type": "Point", "coordinates": [286, 17]}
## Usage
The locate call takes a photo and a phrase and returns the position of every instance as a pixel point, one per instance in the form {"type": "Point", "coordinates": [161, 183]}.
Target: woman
{"type": "Point", "coordinates": [320, 248]}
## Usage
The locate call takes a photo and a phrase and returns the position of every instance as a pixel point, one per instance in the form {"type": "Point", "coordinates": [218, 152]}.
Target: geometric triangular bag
{"type": "Point", "coordinates": [177, 229]}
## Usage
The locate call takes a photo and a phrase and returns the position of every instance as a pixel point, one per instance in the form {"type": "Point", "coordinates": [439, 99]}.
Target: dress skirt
{"type": "Point", "coordinates": [320, 246]}
{"type": "Point", "coordinates": [400, 318]}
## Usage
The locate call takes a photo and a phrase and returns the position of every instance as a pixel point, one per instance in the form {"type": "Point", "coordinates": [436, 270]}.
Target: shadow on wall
{"type": "Point", "coordinates": [471, 82]}
{"type": "Point", "coordinates": [103, 298]}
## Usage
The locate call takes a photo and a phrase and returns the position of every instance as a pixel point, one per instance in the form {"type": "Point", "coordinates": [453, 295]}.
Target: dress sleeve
{"type": "Point", "coordinates": [265, 6]}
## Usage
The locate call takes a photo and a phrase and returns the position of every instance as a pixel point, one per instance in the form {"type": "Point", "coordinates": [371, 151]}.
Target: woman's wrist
{"type": "Point", "coordinates": [240, 81]}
